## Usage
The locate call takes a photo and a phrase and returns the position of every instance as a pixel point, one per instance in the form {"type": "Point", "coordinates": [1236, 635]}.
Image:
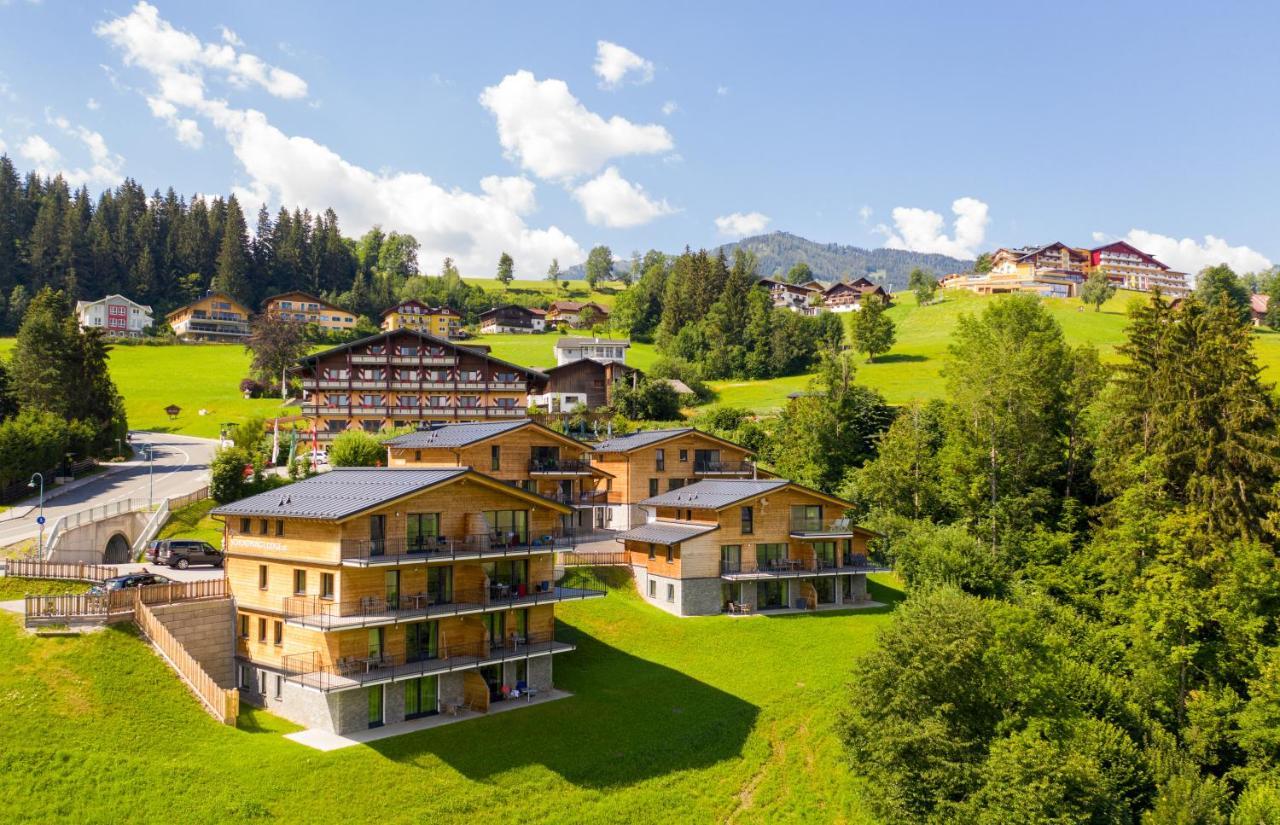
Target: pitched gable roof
{"type": "Point", "coordinates": [314, 358]}
{"type": "Point", "coordinates": [462, 435]}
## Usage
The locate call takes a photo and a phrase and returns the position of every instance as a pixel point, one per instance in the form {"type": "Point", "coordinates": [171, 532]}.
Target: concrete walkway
{"type": "Point", "coordinates": [323, 740]}
{"type": "Point", "coordinates": [791, 611]}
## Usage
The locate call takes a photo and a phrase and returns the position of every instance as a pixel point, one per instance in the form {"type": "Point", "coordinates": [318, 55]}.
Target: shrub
{"type": "Point", "coordinates": [226, 474]}
{"type": "Point", "coordinates": [251, 388]}
{"type": "Point", "coordinates": [356, 448]}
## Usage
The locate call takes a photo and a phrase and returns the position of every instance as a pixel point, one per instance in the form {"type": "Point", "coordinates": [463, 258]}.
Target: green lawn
{"type": "Point", "coordinates": [193, 522]}
{"type": "Point", "coordinates": [578, 290]}
{"type": "Point", "coordinates": [538, 349]}
{"type": "Point", "coordinates": [673, 720]}
{"type": "Point", "coordinates": [912, 369]}
{"type": "Point", "coordinates": [12, 587]}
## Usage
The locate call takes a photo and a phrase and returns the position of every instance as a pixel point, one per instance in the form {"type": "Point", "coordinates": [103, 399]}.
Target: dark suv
{"type": "Point", "coordinates": [142, 579]}
{"type": "Point", "coordinates": [182, 553]}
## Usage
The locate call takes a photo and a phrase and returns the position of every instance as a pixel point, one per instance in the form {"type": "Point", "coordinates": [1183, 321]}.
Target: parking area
{"type": "Point", "coordinates": [191, 574]}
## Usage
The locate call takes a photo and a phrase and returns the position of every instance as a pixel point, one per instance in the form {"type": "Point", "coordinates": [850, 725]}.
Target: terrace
{"type": "Point", "coordinates": [370, 611]}
{"type": "Point", "coordinates": [310, 670]}
{"type": "Point", "coordinates": [820, 528]}
{"type": "Point", "coordinates": [750, 569]}
{"type": "Point", "coordinates": [423, 549]}
{"type": "Point", "coordinates": [559, 467]}
{"type": "Point", "coordinates": [717, 467]}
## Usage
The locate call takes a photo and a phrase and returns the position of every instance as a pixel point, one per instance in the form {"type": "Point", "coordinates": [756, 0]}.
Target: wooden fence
{"type": "Point", "coordinates": [119, 604]}
{"type": "Point", "coordinates": [224, 704]}
{"type": "Point", "coordinates": [37, 569]}
{"type": "Point", "coordinates": [604, 559]}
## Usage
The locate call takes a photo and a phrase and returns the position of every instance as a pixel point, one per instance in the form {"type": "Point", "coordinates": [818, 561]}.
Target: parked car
{"type": "Point", "coordinates": [320, 456]}
{"type": "Point", "coordinates": [128, 580]}
{"type": "Point", "coordinates": [152, 553]}
{"type": "Point", "coordinates": [182, 553]}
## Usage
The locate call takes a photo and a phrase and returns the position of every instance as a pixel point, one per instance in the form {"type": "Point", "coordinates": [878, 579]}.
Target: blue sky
{"type": "Point", "coordinates": [543, 129]}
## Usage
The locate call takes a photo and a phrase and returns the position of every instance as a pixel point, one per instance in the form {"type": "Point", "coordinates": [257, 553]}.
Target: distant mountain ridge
{"type": "Point", "coordinates": [777, 252]}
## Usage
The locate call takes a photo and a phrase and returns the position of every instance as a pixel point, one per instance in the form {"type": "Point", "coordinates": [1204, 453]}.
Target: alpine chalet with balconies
{"type": "Point", "coordinates": [524, 453]}
{"type": "Point", "coordinates": [370, 596]}
{"type": "Point", "coordinates": [407, 378]}
{"type": "Point", "coordinates": [748, 545]}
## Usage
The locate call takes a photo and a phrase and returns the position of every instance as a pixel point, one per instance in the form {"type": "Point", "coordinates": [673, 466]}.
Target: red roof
{"type": "Point", "coordinates": [1259, 303]}
{"type": "Point", "coordinates": [1121, 245]}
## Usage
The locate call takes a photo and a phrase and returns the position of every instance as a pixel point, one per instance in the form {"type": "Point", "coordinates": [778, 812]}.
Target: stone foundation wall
{"type": "Point", "coordinates": [207, 630]}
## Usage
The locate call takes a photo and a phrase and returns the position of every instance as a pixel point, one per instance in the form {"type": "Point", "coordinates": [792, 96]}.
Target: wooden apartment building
{"type": "Point", "coordinates": [524, 453]}
{"type": "Point", "coordinates": [305, 308]}
{"type": "Point", "coordinates": [409, 378]}
{"type": "Point", "coordinates": [650, 462]}
{"type": "Point", "coordinates": [370, 596]}
{"type": "Point", "coordinates": [215, 317]}
{"type": "Point", "coordinates": [747, 545]}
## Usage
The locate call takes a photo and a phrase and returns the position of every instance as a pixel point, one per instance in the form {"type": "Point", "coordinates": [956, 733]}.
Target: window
{"type": "Point", "coordinates": [262, 682]}
{"type": "Point", "coordinates": [653, 588]}
{"type": "Point", "coordinates": [768, 554]}
{"type": "Point", "coordinates": [417, 455]}
{"type": "Point", "coordinates": [652, 552]}
{"type": "Point", "coordinates": [277, 633]}
{"type": "Point", "coordinates": [244, 676]}
{"type": "Point", "coordinates": [731, 558]}
{"type": "Point", "coordinates": [245, 525]}
{"type": "Point", "coordinates": [279, 527]}
{"type": "Point", "coordinates": [326, 585]}
{"type": "Point", "coordinates": [675, 483]}
{"type": "Point", "coordinates": [371, 425]}
{"type": "Point", "coordinates": [671, 550]}
{"type": "Point", "coordinates": [684, 455]}
{"type": "Point", "coordinates": [660, 459]}
{"type": "Point", "coordinates": [671, 592]}
{"type": "Point", "coordinates": [262, 577]}
{"type": "Point", "coordinates": [262, 629]}
{"type": "Point", "coordinates": [806, 517]}
{"type": "Point", "coordinates": [262, 526]}
{"type": "Point", "coordinates": [244, 628]}
{"type": "Point", "coordinates": [653, 487]}
{"type": "Point", "coordinates": [300, 582]}
{"type": "Point", "coordinates": [420, 697]}
{"type": "Point", "coordinates": [509, 524]}
{"type": "Point", "coordinates": [748, 521]}
{"type": "Point", "coordinates": [495, 457]}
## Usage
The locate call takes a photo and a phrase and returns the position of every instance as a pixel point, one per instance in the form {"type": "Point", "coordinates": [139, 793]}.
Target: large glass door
{"type": "Point", "coordinates": [375, 706]}
{"type": "Point", "coordinates": [495, 624]}
{"type": "Point", "coordinates": [771, 594]}
{"type": "Point", "coordinates": [392, 581]}
{"type": "Point", "coordinates": [421, 697]}
{"type": "Point", "coordinates": [377, 535]}
{"type": "Point", "coordinates": [421, 531]}
{"type": "Point", "coordinates": [440, 584]}
{"type": "Point", "coordinates": [508, 526]}
{"type": "Point", "coordinates": [825, 553]}
{"type": "Point", "coordinates": [421, 641]}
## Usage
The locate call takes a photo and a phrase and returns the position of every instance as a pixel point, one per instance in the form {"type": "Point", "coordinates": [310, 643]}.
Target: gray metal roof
{"type": "Point", "coordinates": [626, 443]}
{"type": "Point", "coordinates": [339, 493]}
{"type": "Point", "coordinates": [564, 342]}
{"type": "Point", "coordinates": [714, 494]}
{"type": "Point", "coordinates": [662, 532]}
{"type": "Point", "coordinates": [455, 435]}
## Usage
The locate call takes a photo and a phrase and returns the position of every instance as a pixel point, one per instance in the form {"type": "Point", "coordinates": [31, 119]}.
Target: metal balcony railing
{"type": "Point", "coordinates": [314, 669]}
{"type": "Point", "coordinates": [368, 611]}
{"type": "Point", "coordinates": [494, 544]}
{"type": "Point", "coordinates": [561, 466]}
{"type": "Point", "coordinates": [821, 527]}
{"type": "Point", "coordinates": [709, 466]}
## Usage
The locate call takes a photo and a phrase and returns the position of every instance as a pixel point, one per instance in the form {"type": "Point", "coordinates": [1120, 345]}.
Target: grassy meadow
{"type": "Point", "coordinates": [663, 726]}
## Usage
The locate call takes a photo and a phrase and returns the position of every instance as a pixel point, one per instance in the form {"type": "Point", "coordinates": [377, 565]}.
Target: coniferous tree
{"type": "Point", "coordinates": [233, 256]}
{"type": "Point", "coordinates": [506, 269]}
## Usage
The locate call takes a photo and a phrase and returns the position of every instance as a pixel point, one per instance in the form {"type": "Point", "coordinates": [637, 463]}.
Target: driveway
{"type": "Point", "coordinates": [181, 466]}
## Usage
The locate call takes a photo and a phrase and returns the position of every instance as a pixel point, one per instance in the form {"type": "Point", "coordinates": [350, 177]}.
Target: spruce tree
{"type": "Point", "coordinates": [231, 276]}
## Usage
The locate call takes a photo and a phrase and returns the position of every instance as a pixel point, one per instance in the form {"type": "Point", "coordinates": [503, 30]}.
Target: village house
{"type": "Point", "coordinates": [575, 314]}
{"type": "Point", "coordinates": [115, 315]}
{"type": "Point", "coordinates": [524, 453]}
{"type": "Point", "coordinates": [803, 298]}
{"type": "Point", "coordinates": [583, 383]}
{"type": "Point", "coordinates": [441, 322]}
{"type": "Point", "coordinates": [512, 318]}
{"type": "Point", "coordinates": [366, 597]}
{"type": "Point", "coordinates": [650, 462]}
{"type": "Point", "coordinates": [847, 296]}
{"type": "Point", "coordinates": [215, 317]}
{"type": "Point", "coordinates": [410, 378]}
{"type": "Point", "coordinates": [305, 308]}
{"type": "Point", "coordinates": [747, 545]}
{"type": "Point", "coordinates": [570, 348]}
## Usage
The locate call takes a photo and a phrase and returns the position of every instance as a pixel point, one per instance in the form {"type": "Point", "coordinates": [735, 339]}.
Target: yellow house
{"type": "Point", "coordinates": [370, 596]}
{"type": "Point", "coordinates": [215, 317]}
{"type": "Point", "coordinates": [306, 308]}
{"type": "Point", "coordinates": [442, 322]}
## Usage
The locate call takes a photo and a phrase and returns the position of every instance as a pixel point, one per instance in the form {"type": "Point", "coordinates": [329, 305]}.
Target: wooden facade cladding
{"type": "Point", "coordinates": [632, 471]}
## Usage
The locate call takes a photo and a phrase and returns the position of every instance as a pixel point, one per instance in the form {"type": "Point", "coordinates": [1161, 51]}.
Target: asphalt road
{"type": "Point", "coordinates": [181, 466]}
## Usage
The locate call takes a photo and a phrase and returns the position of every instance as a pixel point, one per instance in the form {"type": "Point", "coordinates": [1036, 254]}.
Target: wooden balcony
{"type": "Point", "coordinates": [373, 611]}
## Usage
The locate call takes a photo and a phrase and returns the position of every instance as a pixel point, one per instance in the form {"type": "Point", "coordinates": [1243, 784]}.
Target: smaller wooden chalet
{"type": "Point", "coordinates": [511, 318]}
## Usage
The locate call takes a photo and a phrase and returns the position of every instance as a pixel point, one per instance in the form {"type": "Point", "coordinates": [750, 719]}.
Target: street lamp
{"type": "Point", "coordinates": [40, 518]}
{"type": "Point", "coordinates": [151, 473]}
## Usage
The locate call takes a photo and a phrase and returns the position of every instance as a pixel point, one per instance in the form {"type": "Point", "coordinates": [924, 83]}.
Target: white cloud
{"type": "Point", "coordinates": [922, 230]}
{"type": "Point", "coordinates": [722, 90]}
{"type": "Point", "coordinates": [612, 200]}
{"type": "Point", "coordinates": [865, 213]}
{"type": "Point", "coordinates": [614, 63]}
{"type": "Point", "coordinates": [670, 108]}
{"type": "Point", "coordinates": [92, 105]}
{"type": "Point", "coordinates": [36, 150]}
{"type": "Point", "coordinates": [741, 224]}
{"type": "Point", "coordinates": [1189, 255]}
{"type": "Point", "coordinates": [229, 37]}
{"type": "Point", "coordinates": [544, 127]}
{"type": "Point", "coordinates": [295, 170]}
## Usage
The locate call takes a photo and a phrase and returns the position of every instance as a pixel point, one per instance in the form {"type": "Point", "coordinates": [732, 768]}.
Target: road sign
{"type": "Point", "coordinates": [39, 519]}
